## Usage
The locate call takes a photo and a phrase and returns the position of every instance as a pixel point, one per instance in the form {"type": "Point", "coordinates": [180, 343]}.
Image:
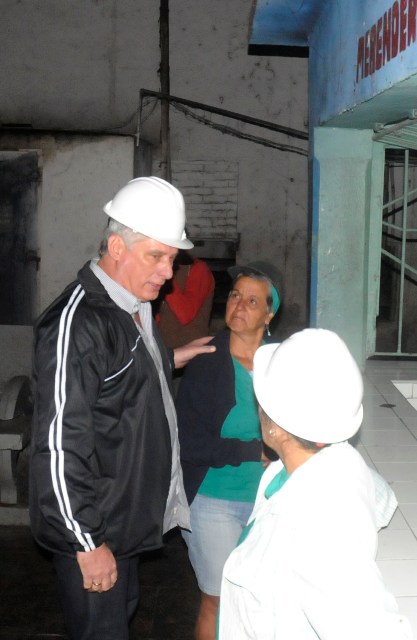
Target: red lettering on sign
{"type": "Point", "coordinates": [395, 29]}
{"type": "Point", "coordinates": [366, 69]}
{"type": "Point", "coordinates": [411, 26]}
{"type": "Point", "coordinates": [387, 36]}
{"type": "Point", "coordinates": [378, 48]}
{"type": "Point", "coordinates": [391, 34]}
{"type": "Point", "coordinates": [360, 58]}
{"type": "Point", "coordinates": [403, 24]}
{"type": "Point", "coordinates": [372, 45]}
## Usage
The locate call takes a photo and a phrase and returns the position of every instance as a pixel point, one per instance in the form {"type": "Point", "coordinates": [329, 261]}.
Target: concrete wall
{"type": "Point", "coordinates": [272, 211]}
{"type": "Point", "coordinates": [79, 174]}
{"type": "Point", "coordinates": [81, 65]}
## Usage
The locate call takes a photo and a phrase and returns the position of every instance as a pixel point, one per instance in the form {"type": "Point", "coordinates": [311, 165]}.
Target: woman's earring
{"type": "Point", "coordinates": [268, 333]}
{"type": "Point", "coordinates": [272, 432]}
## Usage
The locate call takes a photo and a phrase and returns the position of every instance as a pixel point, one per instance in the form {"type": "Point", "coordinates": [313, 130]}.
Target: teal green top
{"type": "Point", "coordinates": [275, 485]}
{"type": "Point", "coordinates": [229, 482]}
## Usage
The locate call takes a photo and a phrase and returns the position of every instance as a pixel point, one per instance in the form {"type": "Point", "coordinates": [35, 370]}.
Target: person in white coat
{"type": "Point", "coordinates": [305, 565]}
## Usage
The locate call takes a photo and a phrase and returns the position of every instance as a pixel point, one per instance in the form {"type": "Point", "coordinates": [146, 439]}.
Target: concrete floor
{"type": "Point", "coordinates": [29, 607]}
{"type": "Point", "coordinates": [387, 440]}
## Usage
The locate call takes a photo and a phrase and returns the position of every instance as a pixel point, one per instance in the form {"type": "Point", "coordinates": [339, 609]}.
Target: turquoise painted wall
{"type": "Point", "coordinates": [343, 282]}
{"type": "Point", "coordinates": [362, 72]}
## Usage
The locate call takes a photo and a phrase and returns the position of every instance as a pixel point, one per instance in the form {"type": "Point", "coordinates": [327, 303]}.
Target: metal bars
{"type": "Point", "coordinates": [400, 234]}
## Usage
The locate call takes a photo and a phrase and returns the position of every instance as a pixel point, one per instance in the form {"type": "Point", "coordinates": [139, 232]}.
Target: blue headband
{"type": "Point", "coordinates": [275, 299]}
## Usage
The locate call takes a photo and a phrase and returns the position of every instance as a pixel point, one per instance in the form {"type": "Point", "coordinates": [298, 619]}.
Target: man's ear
{"type": "Point", "coordinates": [116, 246]}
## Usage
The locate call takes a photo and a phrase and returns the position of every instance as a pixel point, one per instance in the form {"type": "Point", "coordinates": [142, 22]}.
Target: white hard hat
{"type": "Point", "coordinates": [153, 207]}
{"type": "Point", "coordinates": [311, 386]}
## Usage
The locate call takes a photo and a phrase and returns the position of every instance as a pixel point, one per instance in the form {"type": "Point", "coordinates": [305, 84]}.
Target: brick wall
{"type": "Point", "coordinates": [210, 191]}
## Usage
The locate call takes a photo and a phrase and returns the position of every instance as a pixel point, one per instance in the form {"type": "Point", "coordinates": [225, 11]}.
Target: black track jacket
{"type": "Point", "coordinates": [101, 450]}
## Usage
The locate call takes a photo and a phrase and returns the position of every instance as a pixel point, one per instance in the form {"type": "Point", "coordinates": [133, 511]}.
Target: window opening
{"type": "Point", "coordinates": [395, 326]}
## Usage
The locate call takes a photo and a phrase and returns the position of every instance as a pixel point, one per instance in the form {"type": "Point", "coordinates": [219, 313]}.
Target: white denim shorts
{"type": "Point", "coordinates": [216, 527]}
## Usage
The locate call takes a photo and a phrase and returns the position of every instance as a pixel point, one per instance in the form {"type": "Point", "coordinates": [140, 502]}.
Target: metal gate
{"type": "Point", "coordinates": [396, 331]}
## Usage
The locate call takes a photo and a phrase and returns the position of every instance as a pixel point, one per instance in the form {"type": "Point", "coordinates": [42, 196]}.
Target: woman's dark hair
{"type": "Point", "coordinates": [261, 278]}
{"type": "Point", "coordinates": [308, 445]}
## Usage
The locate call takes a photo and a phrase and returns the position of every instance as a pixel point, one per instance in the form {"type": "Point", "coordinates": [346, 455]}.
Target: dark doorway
{"type": "Point", "coordinates": [19, 180]}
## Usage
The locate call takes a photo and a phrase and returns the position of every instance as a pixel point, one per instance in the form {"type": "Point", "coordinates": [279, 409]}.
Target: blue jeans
{"type": "Point", "coordinates": [216, 527]}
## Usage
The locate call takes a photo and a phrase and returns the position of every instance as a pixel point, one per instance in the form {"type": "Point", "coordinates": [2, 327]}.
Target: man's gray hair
{"type": "Point", "coordinates": [129, 236]}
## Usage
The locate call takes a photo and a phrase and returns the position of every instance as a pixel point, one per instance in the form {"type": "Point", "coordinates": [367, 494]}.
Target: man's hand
{"type": "Point", "coordinates": [184, 354]}
{"type": "Point", "coordinates": [98, 568]}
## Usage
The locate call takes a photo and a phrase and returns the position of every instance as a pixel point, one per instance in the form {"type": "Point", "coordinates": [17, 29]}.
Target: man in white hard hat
{"type": "Point", "coordinates": [106, 482]}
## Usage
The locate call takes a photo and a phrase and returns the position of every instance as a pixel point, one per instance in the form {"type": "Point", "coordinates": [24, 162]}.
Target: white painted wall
{"type": "Point", "coordinates": [210, 191]}
{"type": "Point", "coordinates": [80, 175]}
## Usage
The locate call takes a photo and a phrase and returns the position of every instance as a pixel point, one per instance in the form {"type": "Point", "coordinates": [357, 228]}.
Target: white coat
{"type": "Point", "coordinates": [307, 568]}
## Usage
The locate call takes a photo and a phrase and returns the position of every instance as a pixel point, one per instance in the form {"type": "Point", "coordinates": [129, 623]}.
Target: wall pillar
{"type": "Point", "coordinates": [343, 205]}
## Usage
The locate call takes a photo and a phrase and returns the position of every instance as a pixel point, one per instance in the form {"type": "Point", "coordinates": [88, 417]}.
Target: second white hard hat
{"type": "Point", "coordinates": [310, 386]}
{"type": "Point", "coordinates": [153, 207]}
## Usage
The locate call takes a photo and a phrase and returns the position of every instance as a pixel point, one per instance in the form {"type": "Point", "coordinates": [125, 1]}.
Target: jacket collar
{"type": "Point", "coordinates": [95, 293]}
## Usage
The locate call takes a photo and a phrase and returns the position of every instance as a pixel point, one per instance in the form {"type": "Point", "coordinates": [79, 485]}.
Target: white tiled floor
{"type": "Point", "coordinates": [388, 441]}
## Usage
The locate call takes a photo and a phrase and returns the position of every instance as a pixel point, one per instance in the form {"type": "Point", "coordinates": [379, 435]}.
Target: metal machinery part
{"type": "Point", "coordinates": [15, 418]}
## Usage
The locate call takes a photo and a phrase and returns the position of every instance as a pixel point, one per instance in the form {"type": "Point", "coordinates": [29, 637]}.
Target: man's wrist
{"type": "Point", "coordinates": [96, 540]}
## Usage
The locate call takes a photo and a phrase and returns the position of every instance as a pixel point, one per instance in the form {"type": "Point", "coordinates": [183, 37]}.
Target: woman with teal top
{"type": "Point", "coordinates": [304, 567]}
{"type": "Point", "coordinates": [221, 447]}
